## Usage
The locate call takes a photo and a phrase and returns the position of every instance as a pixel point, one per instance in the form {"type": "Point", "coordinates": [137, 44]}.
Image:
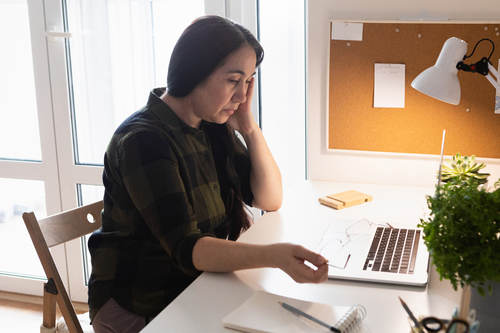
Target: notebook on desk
{"type": "Point", "coordinates": [385, 255]}
{"type": "Point", "coordinates": [263, 313]}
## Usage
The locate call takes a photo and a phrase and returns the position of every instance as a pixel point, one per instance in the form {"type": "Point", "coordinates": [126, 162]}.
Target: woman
{"type": "Point", "coordinates": [177, 180]}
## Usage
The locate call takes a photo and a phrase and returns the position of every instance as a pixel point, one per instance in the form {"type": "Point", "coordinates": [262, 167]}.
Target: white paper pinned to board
{"type": "Point", "coordinates": [347, 31]}
{"type": "Point", "coordinates": [389, 90]}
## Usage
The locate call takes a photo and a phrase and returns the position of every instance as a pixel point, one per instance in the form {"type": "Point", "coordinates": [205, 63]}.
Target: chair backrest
{"type": "Point", "coordinates": [58, 229]}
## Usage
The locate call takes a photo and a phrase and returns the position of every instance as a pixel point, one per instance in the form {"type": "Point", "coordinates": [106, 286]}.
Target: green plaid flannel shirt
{"type": "Point", "coordinates": [161, 195]}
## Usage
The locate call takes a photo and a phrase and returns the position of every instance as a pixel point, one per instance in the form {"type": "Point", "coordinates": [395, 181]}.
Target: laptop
{"type": "Point", "coordinates": [385, 255]}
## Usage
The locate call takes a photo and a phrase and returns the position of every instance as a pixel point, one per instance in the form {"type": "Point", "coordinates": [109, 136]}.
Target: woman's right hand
{"type": "Point", "coordinates": [291, 259]}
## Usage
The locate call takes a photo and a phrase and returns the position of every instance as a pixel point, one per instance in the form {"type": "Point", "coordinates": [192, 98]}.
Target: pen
{"type": "Point", "coordinates": [301, 313]}
{"type": "Point", "coordinates": [412, 317]}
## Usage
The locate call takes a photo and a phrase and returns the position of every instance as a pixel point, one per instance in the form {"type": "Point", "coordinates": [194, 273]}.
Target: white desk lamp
{"type": "Point", "coordinates": [441, 82]}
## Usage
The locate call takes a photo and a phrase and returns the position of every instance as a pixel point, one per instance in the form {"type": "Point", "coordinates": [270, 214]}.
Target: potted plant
{"type": "Point", "coordinates": [462, 235]}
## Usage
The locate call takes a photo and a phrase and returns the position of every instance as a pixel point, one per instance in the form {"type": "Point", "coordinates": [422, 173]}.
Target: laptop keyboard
{"type": "Point", "coordinates": [393, 250]}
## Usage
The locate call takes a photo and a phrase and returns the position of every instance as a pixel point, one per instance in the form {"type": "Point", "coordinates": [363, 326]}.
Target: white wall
{"type": "Point", "coordinates": [372, 167]}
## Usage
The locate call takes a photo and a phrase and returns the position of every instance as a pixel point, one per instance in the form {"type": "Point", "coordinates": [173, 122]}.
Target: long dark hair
{"type": "Point", "coordinates": [201, 49]}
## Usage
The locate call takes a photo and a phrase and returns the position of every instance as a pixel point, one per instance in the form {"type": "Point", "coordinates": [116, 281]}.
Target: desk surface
{"type": "Point", "coordinates": [302, 220]}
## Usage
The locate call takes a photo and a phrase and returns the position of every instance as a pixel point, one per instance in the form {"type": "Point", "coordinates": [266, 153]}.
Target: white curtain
{"type": "Point", "coordinates": [111, 67]}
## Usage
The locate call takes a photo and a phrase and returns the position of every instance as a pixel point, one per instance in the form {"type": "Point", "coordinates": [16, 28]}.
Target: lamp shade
{"type": "Point", "coordinates": [440, 81]}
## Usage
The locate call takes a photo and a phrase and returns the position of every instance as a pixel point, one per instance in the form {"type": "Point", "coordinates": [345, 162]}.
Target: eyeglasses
{"type": "Point", "coordinates": [334, 246]}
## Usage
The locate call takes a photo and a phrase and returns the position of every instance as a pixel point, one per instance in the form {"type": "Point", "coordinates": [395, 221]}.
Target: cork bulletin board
{"type": "Point", "coordinates": [472, 127]}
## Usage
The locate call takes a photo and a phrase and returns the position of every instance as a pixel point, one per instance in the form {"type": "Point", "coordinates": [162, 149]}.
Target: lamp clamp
{"type": "Point", "coordinates": [480, 67]}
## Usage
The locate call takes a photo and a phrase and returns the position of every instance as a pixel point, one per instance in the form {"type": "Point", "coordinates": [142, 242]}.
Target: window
{"type": "Point", "coordinates": [79, 70]}
{"type": "Point", "coordinates": [28, 168]}
{"type": "Point", "coordinates": [19, 118]}
{"type": "Point", "coordinates": [282, 29]}
{"type": "Point", "coordinates": [61, 99]}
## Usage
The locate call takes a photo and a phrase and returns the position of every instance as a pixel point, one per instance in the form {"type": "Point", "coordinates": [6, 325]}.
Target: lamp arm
{"type": "Point", "coordinates": [490, 78]}
{"type": "Point", "coordinates": [482, 67]}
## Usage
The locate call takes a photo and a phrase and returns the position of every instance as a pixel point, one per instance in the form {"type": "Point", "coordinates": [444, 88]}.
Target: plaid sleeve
{"type": "Point", "coordinates": [150, 171]}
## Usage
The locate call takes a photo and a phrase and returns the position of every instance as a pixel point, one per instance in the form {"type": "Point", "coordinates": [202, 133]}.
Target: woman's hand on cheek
{"type": "Point", "coordinates": [242, 119]}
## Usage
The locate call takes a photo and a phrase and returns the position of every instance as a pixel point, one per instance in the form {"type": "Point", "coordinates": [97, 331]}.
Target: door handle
{"type": "Point", "coordinates": [52, 35]}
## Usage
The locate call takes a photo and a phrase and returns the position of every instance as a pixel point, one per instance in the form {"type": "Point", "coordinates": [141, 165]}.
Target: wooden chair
{"type": "Point", "coordinates": [55, 230]}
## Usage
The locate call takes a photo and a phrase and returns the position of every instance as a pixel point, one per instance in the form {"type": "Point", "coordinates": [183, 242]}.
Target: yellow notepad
{"type": "Point", "coordinates": [262, 313]}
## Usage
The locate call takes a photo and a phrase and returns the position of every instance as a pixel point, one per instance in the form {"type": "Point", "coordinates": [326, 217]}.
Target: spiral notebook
{"type": "Point", "coordinates": [262, 313]}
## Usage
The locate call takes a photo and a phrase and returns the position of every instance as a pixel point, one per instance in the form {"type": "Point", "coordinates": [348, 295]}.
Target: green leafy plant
{"type": "Point", "coordinates": [462, 234]}
{"type": "Point", "coordinates": [463, 168]}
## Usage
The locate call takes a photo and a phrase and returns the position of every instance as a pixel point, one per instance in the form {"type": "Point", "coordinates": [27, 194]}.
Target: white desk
{"type": "Point", "coordinates": [302, 220]}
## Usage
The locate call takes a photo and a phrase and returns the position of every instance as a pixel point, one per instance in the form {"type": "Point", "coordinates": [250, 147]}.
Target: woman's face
{"type": "Point", "coordinates": [220, 95]}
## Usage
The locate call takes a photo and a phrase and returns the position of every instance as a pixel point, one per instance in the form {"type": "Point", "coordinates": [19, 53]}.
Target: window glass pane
{"type": "Point", "coordinates": [282, 28]}
{"type": "Point", "coordinates": [116, 50]}
{"type": "Point", "coordinates": [17, 196]}
{"type": "Point", "coordinates": [168, 25]}
{"type": "Point", "coordinates": [88, 194]}
{"type": "Point", "coordinates": [19, 135]}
